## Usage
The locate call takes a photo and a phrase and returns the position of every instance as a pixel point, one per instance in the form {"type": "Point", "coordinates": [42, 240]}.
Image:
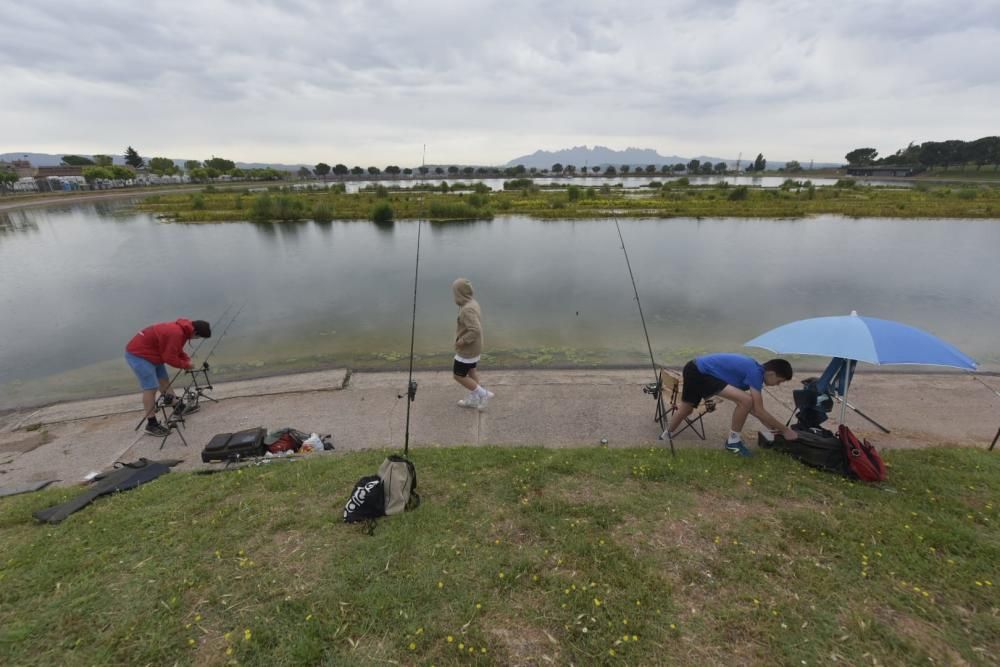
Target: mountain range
{"type": "Point", "coordinates": [602, 156]}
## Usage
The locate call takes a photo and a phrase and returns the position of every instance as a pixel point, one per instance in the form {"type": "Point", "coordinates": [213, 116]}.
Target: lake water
{"type": "Point", "coordinates": [78, 281]}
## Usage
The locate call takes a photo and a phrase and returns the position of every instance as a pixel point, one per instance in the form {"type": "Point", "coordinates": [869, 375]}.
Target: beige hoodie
{"type": "Point", "coordinates": [469, 334]}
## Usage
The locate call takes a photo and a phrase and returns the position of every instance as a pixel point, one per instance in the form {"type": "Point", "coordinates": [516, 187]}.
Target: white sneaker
{"type": "Point", "coordinates": [470, 401]}
{"type": "Point", "coordinates": [489, 394]}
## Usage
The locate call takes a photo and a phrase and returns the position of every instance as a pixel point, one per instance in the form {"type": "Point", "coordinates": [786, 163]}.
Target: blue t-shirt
{"type": "Point", "coordinates": [737, 370]}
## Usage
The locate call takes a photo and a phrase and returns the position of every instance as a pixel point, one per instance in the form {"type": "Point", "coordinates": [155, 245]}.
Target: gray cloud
{"type": "Point", "coordinates": [370, 82]}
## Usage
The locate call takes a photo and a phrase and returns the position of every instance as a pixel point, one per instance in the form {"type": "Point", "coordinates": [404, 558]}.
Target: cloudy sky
{"type": "Point", "coordinates": [370, 82]}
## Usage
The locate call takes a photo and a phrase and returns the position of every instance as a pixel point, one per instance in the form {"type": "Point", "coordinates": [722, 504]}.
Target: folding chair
{"type": "Point", "coordinates": [668, 392]}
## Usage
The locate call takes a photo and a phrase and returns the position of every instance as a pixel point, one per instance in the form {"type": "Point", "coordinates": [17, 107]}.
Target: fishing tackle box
{"type": "Point", "coordinates": [235, 446]}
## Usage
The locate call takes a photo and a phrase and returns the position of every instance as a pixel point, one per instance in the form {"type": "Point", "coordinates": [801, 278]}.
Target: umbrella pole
{"type": "Point", "coordinates": [846, 383]}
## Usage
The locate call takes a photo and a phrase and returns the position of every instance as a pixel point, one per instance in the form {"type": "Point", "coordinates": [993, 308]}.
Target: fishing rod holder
{"type": "Point", "coordinates": [653, 388]}
{"type": "Point", "coordinates": [411, 391]}
{"type": "Point", "coordinates": [200, 384]}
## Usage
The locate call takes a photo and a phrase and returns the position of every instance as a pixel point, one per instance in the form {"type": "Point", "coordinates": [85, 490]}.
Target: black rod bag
{"type": "Point", "coordinates": [235, 446]}
{"type": "Point", "coordinates": [816, 447]}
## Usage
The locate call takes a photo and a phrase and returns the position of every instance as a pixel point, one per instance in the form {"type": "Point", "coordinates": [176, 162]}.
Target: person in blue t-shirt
{"type": "Point", "coordinates": [738, 378]}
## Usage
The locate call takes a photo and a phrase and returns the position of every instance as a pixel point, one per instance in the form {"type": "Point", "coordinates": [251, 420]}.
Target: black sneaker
{"type": "Point", "coordinates": [159, 430]}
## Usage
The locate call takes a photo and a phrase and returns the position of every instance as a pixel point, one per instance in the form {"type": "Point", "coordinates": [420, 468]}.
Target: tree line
{"type": "Point", "coordinates": [932, 154]}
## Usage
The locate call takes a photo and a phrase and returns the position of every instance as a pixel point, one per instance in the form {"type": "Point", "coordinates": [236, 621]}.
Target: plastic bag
{"type": "Point", "coordinates": [313, 443]}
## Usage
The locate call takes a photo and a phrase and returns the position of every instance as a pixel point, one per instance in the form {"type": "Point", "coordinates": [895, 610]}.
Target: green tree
{"type": "Point", "coordinates": [91, 174]}
{"type": "Point", "coordinates": [191, 165]}
{"type": "Point", "coordinates": [595, 169]}
{"type": "Point", "coordinates": [665, 169]}
{"type": "Point", "coordinates": [861, 156]}
{"type": "Point", "coordinates": [693, 166]}
{"type": "Point", "coordinates": [162, 166]}
{"type": "Point", "coordinates": [392, 170]}
{"type": "Point", "coordinates": [304, 172]}
{"type": "Point", "coordinates": [222, 164]}
{"type": "Point", "coordinates": [340, 169]}
{"type": "Point", "coordinates": [374, 171]}
{"type": "Point", "coordinates": [357, 171]}
{"type": "Point", "coordinates": [468, 171]}
{"type": "Point", "coordinates": [720, 167]}
{"type": "Point", "coordinates": [407, 171]}
{"type": "Point", "coordinates": [678, 168]}
{"type": "Point", "coordinates": [760, 164]}
{"type": "Point", "coordinates": [382, 212]}
{"type": "Point", "coordinates": [8, 177]}
{"type": "Point", "coordinates": [103, 160]}
{"type": "Point", "coordinates": [77, 161]}
{"type": "Point", "coordinates": [793, 165]}
{"type": "Point", "coordinates": [610, 171]}
{"type": "Point", "coordinates": [121, 173]}
{"type": "Point", "coordinates": [650, 168]}
{"type": "Point", "coordinates": [133, 159]}
{"type": "Point", "coordinates": [321, 169]}
{"type": "Point", "coordinates": [423, 170]}
{"type": "Point", "coordinates": [570, 169]}
{"type": "Point", "coordinates": [452, 170]}
{"type": "Point", "coordinates": [557, 168]}
{"type": "Point", "coordinates": [706, 168]}
{"type": "Point", "coordinates": [625, 169]}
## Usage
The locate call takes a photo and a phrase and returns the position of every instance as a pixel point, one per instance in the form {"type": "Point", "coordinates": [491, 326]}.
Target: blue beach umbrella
{"type": "Point", "coordinates": [868, 339]}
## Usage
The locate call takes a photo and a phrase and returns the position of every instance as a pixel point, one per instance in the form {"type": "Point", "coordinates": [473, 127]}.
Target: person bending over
{"type": "Point", "coordinates": [738, 378]}
{"type": "Point", "coordinates": [148, 353]}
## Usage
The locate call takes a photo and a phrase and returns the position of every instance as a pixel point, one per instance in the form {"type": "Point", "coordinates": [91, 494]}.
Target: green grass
{"type": "Point", "coordinates": [517, 556]}
{"type": "Point", "coordinates": [667, 202]}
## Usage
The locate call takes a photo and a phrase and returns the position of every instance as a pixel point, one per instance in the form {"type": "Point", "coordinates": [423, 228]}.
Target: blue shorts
{"type": "Point", "coordinates": [149, 374]}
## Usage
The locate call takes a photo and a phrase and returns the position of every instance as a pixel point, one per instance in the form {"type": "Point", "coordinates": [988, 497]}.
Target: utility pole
{"type": "Point", "coordinates": [423, 161]}
{"type": "Point", "coordinates": [738, 161]}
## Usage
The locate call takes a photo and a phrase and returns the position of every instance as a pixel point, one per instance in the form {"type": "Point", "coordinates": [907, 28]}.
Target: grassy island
{"type": "Point", "coordinates": [667, 200]}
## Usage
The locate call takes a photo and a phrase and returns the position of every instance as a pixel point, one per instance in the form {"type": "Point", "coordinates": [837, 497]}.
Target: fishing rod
{"type": "Point", "coordinates": [204, 366]}
{"type": "Point", "coordinates": [411, 385]}
{"type": "Point", "coordinates": [997, 393]}
{"type": "Point", "coordinates": [654, 388]}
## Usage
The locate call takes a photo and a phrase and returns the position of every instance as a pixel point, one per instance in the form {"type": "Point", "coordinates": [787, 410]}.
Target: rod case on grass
{"type": "Point", "coordinates": [235, 446]}
{"type": "Point", "coordinates": [128, 476]}
{"type": "Point", "coordinates": [815, 447]}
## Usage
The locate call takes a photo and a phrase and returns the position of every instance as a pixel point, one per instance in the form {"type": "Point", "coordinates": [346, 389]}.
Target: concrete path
{"type": "Point", "coordinates": [554, 408]}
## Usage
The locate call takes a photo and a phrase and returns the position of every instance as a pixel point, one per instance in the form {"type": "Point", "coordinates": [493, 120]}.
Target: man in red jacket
{"type": "Point", "coordinates": [149, 351]}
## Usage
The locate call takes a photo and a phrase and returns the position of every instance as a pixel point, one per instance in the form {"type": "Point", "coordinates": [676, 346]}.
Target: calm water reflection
{"type": "Point", "coordinates": [78, 281]}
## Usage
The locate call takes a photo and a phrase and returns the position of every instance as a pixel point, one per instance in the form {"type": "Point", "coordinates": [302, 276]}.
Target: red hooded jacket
{"type": "Point", "coordinates": [163, 343]}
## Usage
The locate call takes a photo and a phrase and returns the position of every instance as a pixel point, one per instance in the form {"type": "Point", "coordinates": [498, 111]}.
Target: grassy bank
{"type": "Point", "coordinates": [670, 200]}
{"type": "Point", "coordinates": [517, 556]}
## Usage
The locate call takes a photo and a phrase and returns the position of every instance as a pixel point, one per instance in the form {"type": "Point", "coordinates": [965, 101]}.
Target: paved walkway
{"type": "Point", "coordinates": [551, 408]}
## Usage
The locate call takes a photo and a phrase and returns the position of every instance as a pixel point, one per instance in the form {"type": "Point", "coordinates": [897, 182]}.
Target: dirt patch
{"type": "Point", "coordinates": [512, 532]}
{"type": "Point", "coordinates": [588, 491]}
{"type": "Point", "coordinates": [523, 644]}
{"type": "Point", "coordinates": [922, 634]}
{"type": "Point", "coordinates": [22, 444]}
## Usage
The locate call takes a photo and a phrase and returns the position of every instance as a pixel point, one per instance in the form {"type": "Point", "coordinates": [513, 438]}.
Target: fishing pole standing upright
{"type": "Point", "coordinates": [411, 385]}
{"type": "Point", "coordinates": [655, 388]}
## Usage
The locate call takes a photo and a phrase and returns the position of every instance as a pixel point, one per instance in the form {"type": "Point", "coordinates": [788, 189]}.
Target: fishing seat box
{"type": "Point", "coordinates": [818, 450]}
{"type": "Point", "coordinates": [235, 446]}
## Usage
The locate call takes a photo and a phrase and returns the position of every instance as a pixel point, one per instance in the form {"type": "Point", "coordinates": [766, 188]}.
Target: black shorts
{"type": "Point", "coordinates": [461, 369]}
{"type": "Point", "coordinates": [698, 385]}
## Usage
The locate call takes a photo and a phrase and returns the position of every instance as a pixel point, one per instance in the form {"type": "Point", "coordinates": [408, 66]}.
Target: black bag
{"type": "Point", "coordinates": [235, 446]}
{"type": "Point", "coordinates": [815, 447]}
{"type": "Point", "coordinates": [367, 502]}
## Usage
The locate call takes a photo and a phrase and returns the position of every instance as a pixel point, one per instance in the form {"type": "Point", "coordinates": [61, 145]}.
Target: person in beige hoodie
{"type": "Point", "coordinates": [469, 346]}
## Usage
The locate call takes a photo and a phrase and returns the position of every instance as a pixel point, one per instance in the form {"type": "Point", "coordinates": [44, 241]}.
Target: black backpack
{"type": "Point", "coordinates": [367, 501]}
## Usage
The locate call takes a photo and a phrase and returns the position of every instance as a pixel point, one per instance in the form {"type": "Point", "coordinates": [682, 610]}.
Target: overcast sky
{"type": "Point", "coordinates": [371, 82]}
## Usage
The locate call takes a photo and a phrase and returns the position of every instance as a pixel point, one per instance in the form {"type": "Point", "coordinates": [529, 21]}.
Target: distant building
{"type": "Point", "coordinates": [23, 168]}
{"type": "Point", "coordinates": [61, 170]}
{"type": "Point", "coordinates": [886, 170]}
